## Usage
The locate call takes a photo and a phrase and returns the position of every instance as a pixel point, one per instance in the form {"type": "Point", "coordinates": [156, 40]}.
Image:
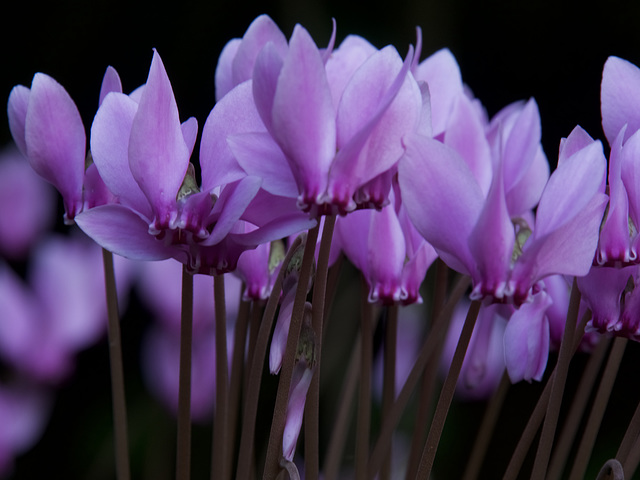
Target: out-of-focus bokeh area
{"type": "Point", "coordinates": [553, 51]}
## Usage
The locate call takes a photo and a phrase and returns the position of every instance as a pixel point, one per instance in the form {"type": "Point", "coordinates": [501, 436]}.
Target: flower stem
{"type": "Point", "coordinates": [389, 376]}
{"type": "Point", "coordinates": [485, 431]}
{"type": "Point", "coordinates": [364, 397]}
{"type": "Point", "coordinates": [597, 410]}
{"type": "Point", "coordinates": [312, 406]}
{"type": "Point", "coordinates": [274, 447]}
{"type": "Point", "coordinates": [583, 392]}
{"type": "Point", "coordinates": [257, 355]}
{"type": "Point", "coordinates": [630, 437]}
{"type": "Point", "coordinates": [183, 459]}
{"type": "Point", "coordinates": [435, 337]}
{"type": "Point", "coordinates": [345, 404]}
{"type": "Point", "coordinates": [448, 389]}
{"type": "Point", "coordinates": [557, 388]}
{"type": "Point", "coordinates": [117, 375]}
{"type": "Point", "coordinates": [219, 466]}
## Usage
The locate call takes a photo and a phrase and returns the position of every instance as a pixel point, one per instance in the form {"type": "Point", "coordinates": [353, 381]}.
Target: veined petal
{"type": "Point", "coordinates": [526, 340]}
{"type": "Point", "coordinates": [110, 134]}
{"type": "Point", "coordinates": [352, 234]}
{"type": "Point", "coordinates": [524, 195]}
{"type": "Point", "coordinates": [576, 141]}
{"type": "Point", "coordinates": [55, 140]}
{"type": "Point", "coordinates": [262, 30]}
{"type": "Point", "coordinates": [442, 198]}
{"type": "Point", "coordinates": [630, 174]}
{"type": "Point", "coordinates": [17, 113]}
{"type": "Point", "coordinates": [620, 97]}
{"type": "Point", "coordinates": [235, 113]}
{"type": "Point", "coordinates": [224, 75]}
{"type": "Point", "coordinates": [265, 81]}
{"type": "Point", "coordinates": [259, 155]}
{"type": "Point", "coordinates": [491, 243]}
{"type": "Point", "coordinates": [123, 232]}
{"type": "Point", "coordinates": [303, 118]}
{"type": "Point", "coordinates": [158, 154]}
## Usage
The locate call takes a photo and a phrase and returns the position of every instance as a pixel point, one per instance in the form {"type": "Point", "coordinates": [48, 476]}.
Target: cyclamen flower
{"type": "Point", "coordinates": [142, 152]}
{"type": "Point", "coordinates": [475, 234]}
{"type": "Point", "coordinates": [312, 145]}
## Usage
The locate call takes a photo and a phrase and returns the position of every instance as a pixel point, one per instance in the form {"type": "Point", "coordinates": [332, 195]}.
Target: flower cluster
{"type": "Point", "coordinates": [394, 153]}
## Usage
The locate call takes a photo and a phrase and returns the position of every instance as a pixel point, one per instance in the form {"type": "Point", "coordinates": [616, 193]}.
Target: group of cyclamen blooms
{"type": "Point", "coordinates": [401, 150]}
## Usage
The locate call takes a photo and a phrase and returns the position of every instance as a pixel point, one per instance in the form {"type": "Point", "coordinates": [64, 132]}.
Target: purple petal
{"type": "Point", "coordinates": [526, 340]}
{"type": "Point", "coordinates": [190, 133]}
{"type": "Point", "coordinates": [352, 233]}
{"type": "Point", "coordinates": [259, 155]}
{"type": "Point", "coordinates": [441, 72]}
{"type": "Point", "coordinates": [17, 113]}
{"type": "Point", "coordinates": [281, 332]}
{"type": "Point", "coordinates": [262, 30]}
{"type": "Point", "coordinates": [110, 134]}
{"type": "Point", "coordinates": [110, 83]}
{"type": "Point", "coordinates": [55, 140]}
{"type": "Point", "coordinates": [231, 205]}
{"type": "Point", "coordinates": [620, 97]}
{"type": "Point", "coordinates": [295, 409]}
{"type": "Point", "coordinates": [524, 195]}
{"type": "Point", "coordinates": [265, 82]}
{"type": "Point", "coordinates": [576, 141]}
{"type": "Point", "coordinates": [235, 113]}
{"type": "Point", "coordinates": [123, 232]}
{"type": "Point", "coordinates": [303, 118]}
{"type": "Point", "coordinates": [491, 243]}
{"type": "Point", "coordinates": [443, 201]}
{"type": "Point", "coordinates": [158, 154]}
{"type": "Point", "coordinates": [224, 75]}
{"type": "Point", "coordinates": [602, 289]}
{"type": "Point", "coordinates": [630, 173]}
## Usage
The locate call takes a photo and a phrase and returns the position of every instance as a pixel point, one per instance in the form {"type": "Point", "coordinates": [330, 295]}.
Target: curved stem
{"type": "Point", "coordinates": [389, 376]}
{"type": "Point", "coordinates": [448, 389]}
{"type": "Point", "coordinates": [274, 448]}
{"type": "Point", "coordinates": [117, 374]}
{"type": "Point", "coordinates": [257, 355]}
{"type": "Point", "coordinates": [312, 406]}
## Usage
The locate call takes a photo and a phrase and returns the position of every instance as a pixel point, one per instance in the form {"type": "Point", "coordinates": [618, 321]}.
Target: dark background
{"type": "Point", "coordinates": [507, 51]}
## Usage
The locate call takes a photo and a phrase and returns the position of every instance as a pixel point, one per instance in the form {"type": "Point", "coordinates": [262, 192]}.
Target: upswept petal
{"type": "Point", "coordinates": [576, 141]}
{"type": "Point", "coordinates": [110, 83]}
{"type": "Point", "coordinates": [620, 97]}
{"type": "Point", "coordinates": [224, 74]}
{"type": "Point", "coordinates": [17, 113]}
{"type": "Point", "coordinates": [158, 154]}
{"type": "Point", "coordinates": [526, 340]}
{"type": "Point", "coordinates": [380, 104]}
{"type": "Point", "coordinates": [570, 188]}
{"type": "Point", "coordinates": [234, 113]}
{"type": "Point", "coordinates": [123, 232]}
{"type": "Point", "coordinates": [630, 173]}
{"type": "Point", "coordinates": [110, 134]}
{"type": "Point", "coordinates": [567, 250]}
{"type": "Point", "coordinates": [465, 133]}
{"type": "Point", "coordinates": [281, 226]}
{"type": "Point", "coordinates": [344, 61]}
{"type": "Point", "coordinates": [303, 118]}
{"type": "Point", "coordinates": [259, 155]}
{"type": "Point", "coordinates": [190, 133]}
{"type": "Point", "coordinates": [262, 30]}
{"type": "Point", "coordinates": [614, 245]}
{"type": "Point", "coordinates": [55, 139]}
{"type": "Point", "coordinates": [232, 203]}
{"type": "Point", "coordinates": [524, 195]}
{"type": "Point", "coordinates": [351, 233]}
{"type": "Point", "coordinates": [443, 201]}
{"type": "Point", "coordinates": [441, 72]}
{"type": "Point", "coordinates": [266, 73]}
{"type": "Point", "coordinates": [491, 243]}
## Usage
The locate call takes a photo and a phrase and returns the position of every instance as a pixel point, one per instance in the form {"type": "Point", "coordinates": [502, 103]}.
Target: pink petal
{"type": "Point", "coordinates": [443, 201]}
{"type": "Point", "coordinates": [158, 154]}
{"type": "Point", "coordinates": [17, 113]}
{"type": "Point", "coordinates": [110, 83]}
{"type": "Point", "coordinates": [620, 97]}
{"type": "Point", "coordinates": [526, 340]}
{"type": "Point", "coordinates": [55, 140]}
{"type": "Point", "coordinates": [303, 118]}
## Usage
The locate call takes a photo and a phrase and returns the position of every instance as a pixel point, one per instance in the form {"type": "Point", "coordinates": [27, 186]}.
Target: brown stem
{"type": "Point", "coordinates": [435, 337]}
{"type": "Point", "coordinates": [598, 408]}
{"type": "Point", "coordinates": [578, 405]}
{"type": "Point", "coordinates": [389, 376]}
{"type": "Point", "coordinates": [117, 375]}
{"type": "Point", "coordinates": [274, 447]}
{"type": "Point", "coordinates": [448, 389]}
{"type": "Point", "coordinates": [183, 460]}
{"type": "Point", "coordinates": [557, 388]}
{"type": "Point", "coordinates": [312, 406]}
{"type": "Point", "coordinates": [246, 465]}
